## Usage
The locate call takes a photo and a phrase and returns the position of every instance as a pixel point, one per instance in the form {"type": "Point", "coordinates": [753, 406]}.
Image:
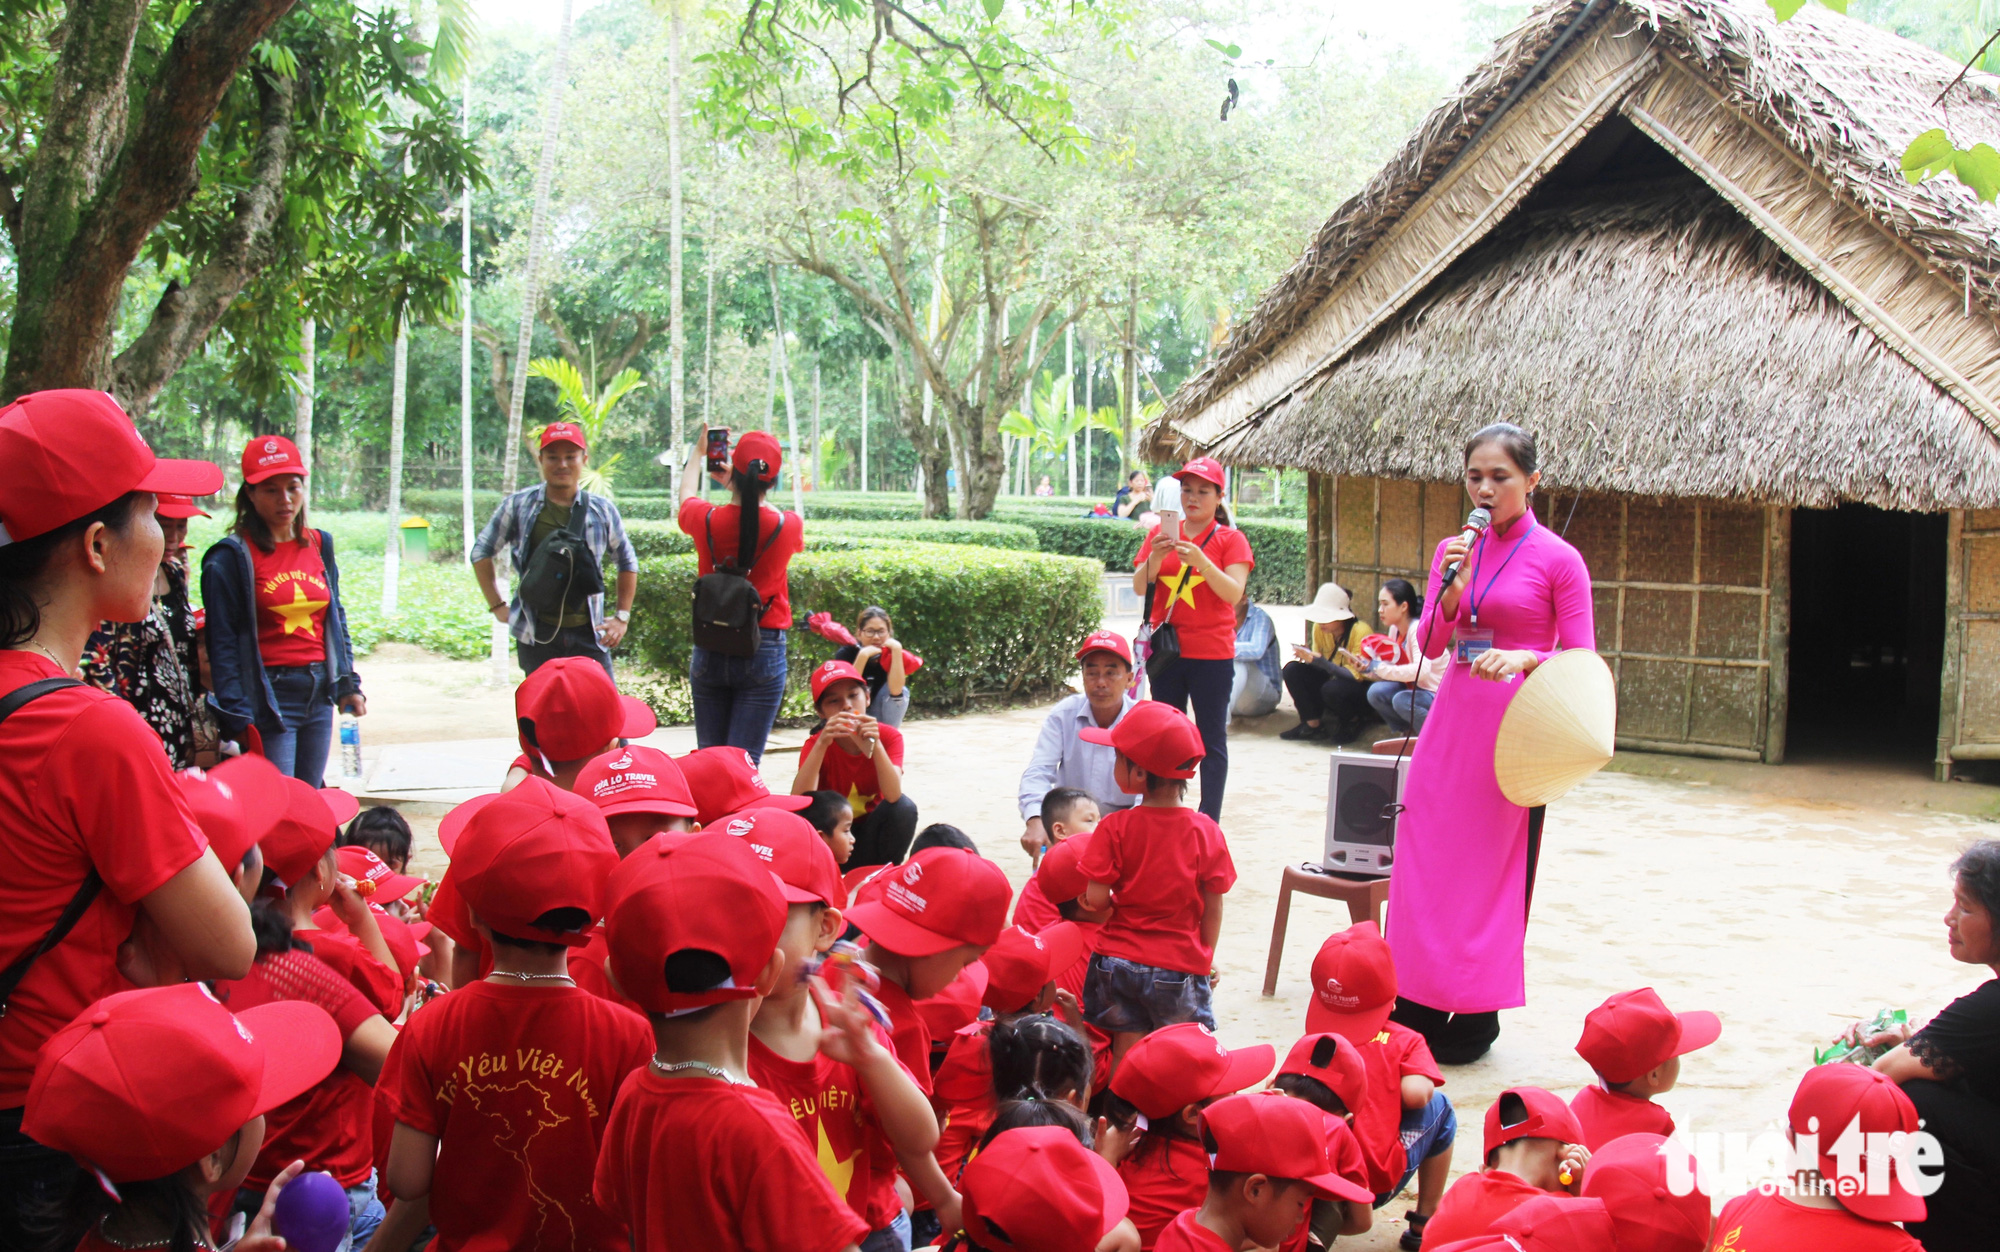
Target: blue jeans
{"type": "Point", "coordinates": [1205, 684]}
{"type": "Point", "coordinates": [895, 1237]}
{"type": "Point", "coordinates": [1126, 997]}
{"type": "Point", "coordinates": [1401, 708]}
{"type": "Point", "coordinates": [736, 698]}
{"type": "Point", "coordinates": [1425, 1132]}
{"type": "Point", "coordinates": [306, 703]}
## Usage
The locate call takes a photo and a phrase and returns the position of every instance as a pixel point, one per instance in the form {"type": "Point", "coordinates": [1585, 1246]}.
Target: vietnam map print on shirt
{"type": "Point", "coordinates": [517, 1094]}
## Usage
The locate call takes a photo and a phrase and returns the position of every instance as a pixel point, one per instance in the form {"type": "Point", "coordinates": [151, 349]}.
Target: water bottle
{"type": "Point", "coordinates": [350, 747]}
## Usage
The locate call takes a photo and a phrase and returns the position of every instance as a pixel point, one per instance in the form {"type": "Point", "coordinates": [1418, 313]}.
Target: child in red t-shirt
{"type": "Point", "coordinates": [696, 1155]}
{"type": "Point", "coordinates": [1038, 1187]}
{"type": "Point", "coordinates": [162, 1093]}
{"type": "Point", "coordinates": [1168, 1077]}
{"type": "Point", "coordinates": [860, 1109]}
{"type": "Point", "coordinates": [1533, 1147]}
{"type": "Point", "coordinates": [1162, 868]}
{"type": "Point", "coordinates": [833, 817]}
{"type": "Point", "coordinates": [641, 792]}
{"type": "Point", "coordinates": [501, 1090]}
{"type": "Point", "coordinates": [1327, 1072]}
{"type": "Point", "coordinates": [1826, 1207]}
{"type": "Point", "coordinates": [1268, 1166]}
{"type": "Point", "coordinates": [1635, 1044]}
{"type": "Point", "coordinates": [1405, 1125]}
{"type": "Point", "coordinates": [1067, 812]}
{"type": "Point", "coordinates": [860, 758]}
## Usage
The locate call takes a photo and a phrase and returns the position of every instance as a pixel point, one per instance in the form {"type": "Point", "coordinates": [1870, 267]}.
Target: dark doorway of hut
{"type": "Point", "coordinates": [1867, 648]}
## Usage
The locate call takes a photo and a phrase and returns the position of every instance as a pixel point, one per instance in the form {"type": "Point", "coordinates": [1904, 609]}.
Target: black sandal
{"type": "Point", "coordinates": [1413, 1238]}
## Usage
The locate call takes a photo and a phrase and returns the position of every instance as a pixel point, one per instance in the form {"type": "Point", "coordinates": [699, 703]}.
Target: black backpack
{"type": "Point", "coordinates": [562, 573]}
{"type": "Point", "coordinates": [727, 608]}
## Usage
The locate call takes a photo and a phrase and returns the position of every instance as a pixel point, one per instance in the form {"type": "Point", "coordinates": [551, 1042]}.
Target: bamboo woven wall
{"type": "Point", "coordinates": [1970, 710]}
{"type": "Point", "coordinates": [1690, 597]}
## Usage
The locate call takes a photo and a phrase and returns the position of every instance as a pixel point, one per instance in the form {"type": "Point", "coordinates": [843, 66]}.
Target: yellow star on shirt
{"type": "Point", "coordinates": [298, 614]}
{"type": "Point", "coordinates": [1181, 584]}
{"type": "Point", "coordinates": [858, 802]}
{"type": "Point", "coordinates": [838, 1172]}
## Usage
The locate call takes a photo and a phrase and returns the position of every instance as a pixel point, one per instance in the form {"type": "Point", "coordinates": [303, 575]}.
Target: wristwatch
{"type": "Point", "coordinates": [623, 615]}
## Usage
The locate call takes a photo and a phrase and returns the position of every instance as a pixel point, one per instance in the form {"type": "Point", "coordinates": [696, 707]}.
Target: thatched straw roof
{"type": "Point", "coordinates": [1844, 98]}
{"type": "Point", "coordinates": [1663, 347]}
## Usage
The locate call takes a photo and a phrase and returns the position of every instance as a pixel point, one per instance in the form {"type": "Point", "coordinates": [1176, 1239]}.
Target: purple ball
{"type": "Point", "coordinates": [312, 1213]}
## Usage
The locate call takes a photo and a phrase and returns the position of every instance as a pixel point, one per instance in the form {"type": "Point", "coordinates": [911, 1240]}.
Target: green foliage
{"type": "Point", "coordinates": [988, 623]}
{"type": "Point", "coordinates": [1933, 153]}
{"type": "Point", "coordinates": [589, 408]}
{"type": "Point", "coordinates": [978, 534]}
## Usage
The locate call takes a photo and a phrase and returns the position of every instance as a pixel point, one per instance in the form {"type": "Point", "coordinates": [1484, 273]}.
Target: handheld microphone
{"type": "Point", "coordinates": [1476, 523]}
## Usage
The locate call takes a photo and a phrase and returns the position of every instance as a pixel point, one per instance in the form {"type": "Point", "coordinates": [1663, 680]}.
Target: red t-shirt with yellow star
{"type": "Point", "coordinates": [291, 602]}
{"type": "Point", "coordinates": [838, 1121]}
{"type": "Point", "coordinates": [853, 775]}
{"type": "Point", "coordinates": [1205, 622]}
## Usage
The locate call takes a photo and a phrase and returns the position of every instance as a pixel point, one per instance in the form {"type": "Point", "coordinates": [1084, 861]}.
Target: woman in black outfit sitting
{"type": "Point", "coordinates": [1325, 680]}
{"type": "Point", "coordinates": [1951, 1068]}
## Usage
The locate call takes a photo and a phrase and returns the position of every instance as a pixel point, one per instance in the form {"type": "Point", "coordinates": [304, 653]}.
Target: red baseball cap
{"type": "Point", "coordinates": [1331, 1059]}
{"type": "Point", "coordinates": [793, 849]}
{"type": "Point", "coordinates": [1545, 1223]}
{"type": "Point", "coordinates": [939, 899]}
{"type": "Point", "coordinates": [1058, 874]}
{"type": "Point", "coordinates": [1176, 1066]}
{"type": "Point", "coordinates": [683, 896]}
{"type": "Point", "coordinates": [374, 881]}
{"type": "Point", "coordinates": [341, 804]}
{"type": "Point", "coordinates": [636, 779]}
{"type": "Point", "coordinates": [170, 505]}
{"type": "Point", "coordinates": [756, 445]}
{"type": "Point", "coordinates": [1159, 738]}
{"type": "Point", "coordinates": [260, 789]}
{"type": "Point", "coordinates": [564, 432]}
{"type": "Point", "coordinates": [1021, 963]}
{"type": "Point", "coordinates": [725, 780]}
{"type": "Point", "coordinates": [302, 834]}
{"type": "Point", "coordinates": [1206, 468]}
{"type": "Point", "coordinates": [534, 849]}
{"type": "Point", "coordinates": [66, 454]}
{"type": "Point", "coordinates": [569, 709]}
{"type": "Point", "coordinates": [1272, 1134]}
{"type": "Point", "coordinates": [145, 1083]}
{"type": "Point", "coordinates": [1354, 983]}
{"type": "Point", "coordinates": [1633, 1033]}
{"type": "Point", "coordinates": [957, 1006]}
{"type": "Point", "coordinates": [219, 813]}
{"type": "Point", "coordinates": [1837, 1098]}
{"type": "Point", "coordinates": [1106, 641]}
{"type": "Point", "coordinates": [1037, 1189]}
{"type": "Point", "coordinates": [267, 456]}
{"type": "Point", "coordinates": [831, 672]}
{"type": "Point", "coordinates": [1544, 1116]}
{"type": "Point", "coordinates": [1630, 1175]}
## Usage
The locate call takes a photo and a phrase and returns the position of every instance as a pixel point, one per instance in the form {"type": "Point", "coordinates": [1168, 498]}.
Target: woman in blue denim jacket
{"type": "Point", "coordinates": [278, 646]}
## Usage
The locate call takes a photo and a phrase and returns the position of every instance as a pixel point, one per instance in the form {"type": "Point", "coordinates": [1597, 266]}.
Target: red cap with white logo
{"type": "Point", "coordinates": [374, 881]}
{"type": "Point", "coordinates": [267, 456]}
{"type": "Point", "coordinates": [564, 432]}
{"type": "Point", "coordinates": [66, 454]}
{"type": "Point", "coordinates": [1105, 641]}
{"type": "Point", "coordinates": [1176, 1066]}
{"type": "Point", "coordinates": [1354, 984]}
{"type": "Point", "coordinates": [725, 780]}
{"type": "Point", "coordinates": [635, 780]}
{"type": "Point", "coordinates": [940, 899]}
{"type": "Point", "coordinates": [793, 849]}
{"type": "Point", "coordinates": [831, 672]}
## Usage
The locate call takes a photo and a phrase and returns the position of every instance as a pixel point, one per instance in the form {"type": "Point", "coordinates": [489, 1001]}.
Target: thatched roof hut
{"type": "Point", "coordinates": [1673, 239]}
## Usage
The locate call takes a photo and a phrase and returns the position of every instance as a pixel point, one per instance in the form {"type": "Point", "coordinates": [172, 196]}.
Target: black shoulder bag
{"type": "Point", "coordinates": [727, 607]}
{"type": "Point", "coordinates": [1161, 644]}
{"type": "Point", "coordinates": [562, 572]}
{"type": "Point", "coordinates": [72, 913]}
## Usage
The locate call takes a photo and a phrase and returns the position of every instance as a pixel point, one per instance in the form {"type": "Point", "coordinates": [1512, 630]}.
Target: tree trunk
{"type": "Point", "coordinates": [467, 534]}
{"type": "Point", "coordinates": [677, 332]}
{"type": "Point", "coordinates": [1128, 419]}
{"type": "Point", "coordinates": [302, 403]}
{"type": "Point", "coordinates": [545, 171]}
{"type": "Point", "coordinates": [785, 377]}
{"type": "Point", "coordinates": [96, 186]}
{"type": "Point", "coordinates": [399, 395]}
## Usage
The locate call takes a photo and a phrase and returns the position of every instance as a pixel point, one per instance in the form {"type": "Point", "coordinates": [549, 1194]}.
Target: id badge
{"type": "Point", "coordinates": [1471, 643]}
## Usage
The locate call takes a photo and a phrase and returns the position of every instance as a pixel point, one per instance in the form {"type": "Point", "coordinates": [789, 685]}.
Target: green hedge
{"type": "Point", "coordinates": [987, 622]}
{"type": "Point", "coordinates": [651, 538]}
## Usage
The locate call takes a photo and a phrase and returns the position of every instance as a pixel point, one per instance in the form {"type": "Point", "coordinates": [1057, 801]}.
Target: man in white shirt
{"type": "Point", "coordinates": [1061, 757]}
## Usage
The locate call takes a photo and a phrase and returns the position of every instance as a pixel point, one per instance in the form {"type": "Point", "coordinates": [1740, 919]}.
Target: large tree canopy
{"type": "Point", "coordinates": [242, 163]}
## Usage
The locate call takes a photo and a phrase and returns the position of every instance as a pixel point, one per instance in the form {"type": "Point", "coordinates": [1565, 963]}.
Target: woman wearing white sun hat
{"type": "Point", "coordinates": [1325, 679]}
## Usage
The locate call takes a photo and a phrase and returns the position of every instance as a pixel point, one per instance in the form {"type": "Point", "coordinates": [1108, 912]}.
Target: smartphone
{"type": "Point", "coordinates": [1170, 525]}
{"type": "Point", "coordinates": [718, 452]}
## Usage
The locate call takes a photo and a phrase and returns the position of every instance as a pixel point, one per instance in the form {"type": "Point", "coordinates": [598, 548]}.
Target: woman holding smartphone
{"type": "Point", "coordinates": [1326, 680]}
{"type": "Point", "coordinates": [1201, 567]}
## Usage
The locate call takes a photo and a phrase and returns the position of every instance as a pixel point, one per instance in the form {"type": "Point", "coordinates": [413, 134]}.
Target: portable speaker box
{"type": "Point", "coordinates": [1360, 825]}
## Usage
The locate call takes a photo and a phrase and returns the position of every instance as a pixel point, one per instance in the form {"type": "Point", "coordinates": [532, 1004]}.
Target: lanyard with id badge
{"type": "Point", "coordinates": [1472, 641]}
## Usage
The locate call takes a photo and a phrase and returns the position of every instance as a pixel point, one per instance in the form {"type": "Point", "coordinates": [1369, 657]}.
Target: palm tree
{"type": "Point", "coordinates": [591, 412]}
{"type": "Point", "coordinates": [1054, 423]}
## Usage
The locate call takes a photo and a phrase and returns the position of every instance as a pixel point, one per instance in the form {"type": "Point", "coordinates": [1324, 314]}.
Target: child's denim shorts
{"type": "Point", "coordinates": [1425, 1133]}
{"type": "Point", "coordinates": [1121, 996]}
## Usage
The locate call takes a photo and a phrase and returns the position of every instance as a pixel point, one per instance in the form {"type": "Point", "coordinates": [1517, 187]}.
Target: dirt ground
{"type": "Point", "coordinates": [1786, 902]}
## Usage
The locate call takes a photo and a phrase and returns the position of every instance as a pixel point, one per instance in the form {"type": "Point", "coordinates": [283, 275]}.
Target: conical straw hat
{"type": "Point", "coordinates": [1559, 729]}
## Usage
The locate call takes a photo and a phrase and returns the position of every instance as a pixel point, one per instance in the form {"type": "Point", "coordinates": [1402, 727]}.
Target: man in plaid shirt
{"type": "Point", "coordinates": [527, 518]}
